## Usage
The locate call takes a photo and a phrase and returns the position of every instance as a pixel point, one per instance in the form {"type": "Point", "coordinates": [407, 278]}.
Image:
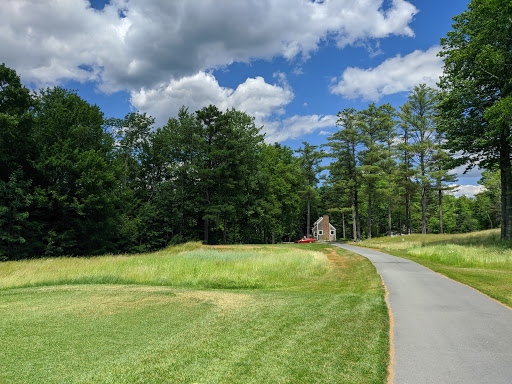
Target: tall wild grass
{"type": "Point", "coordinates": [482, 249]}
{"type": "Point", "coordinates": [189, 265]}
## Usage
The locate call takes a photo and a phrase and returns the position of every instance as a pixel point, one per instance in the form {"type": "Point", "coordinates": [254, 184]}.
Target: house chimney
{"type": "Point", "coordinates": [325, 227]}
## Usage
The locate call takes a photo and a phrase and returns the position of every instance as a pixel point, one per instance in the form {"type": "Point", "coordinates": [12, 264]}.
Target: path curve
{"type": "Point", "coordinates": [444, 332]}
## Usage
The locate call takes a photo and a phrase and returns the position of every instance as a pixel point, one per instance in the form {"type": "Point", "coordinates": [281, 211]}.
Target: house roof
{"type": "Point", "coordinates": [320, 220]}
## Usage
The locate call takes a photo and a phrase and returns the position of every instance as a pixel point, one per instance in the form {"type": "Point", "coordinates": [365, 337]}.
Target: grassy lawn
{"type": "Point", "coordinates": [193, 314]}
{"type": "Point", "coordinates": [478, 259]}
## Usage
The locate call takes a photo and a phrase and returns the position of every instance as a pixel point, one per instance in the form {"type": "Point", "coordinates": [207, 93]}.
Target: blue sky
{"type": "Point", "coordinates": [293, 64]}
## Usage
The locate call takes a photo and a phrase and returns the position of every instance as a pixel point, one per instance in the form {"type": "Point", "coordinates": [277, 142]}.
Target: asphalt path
{"type": "Point", "coordinates": [444, 331]}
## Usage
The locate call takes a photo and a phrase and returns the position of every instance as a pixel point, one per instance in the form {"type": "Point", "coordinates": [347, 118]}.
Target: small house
{"type": "Point", "coordinates": [323, 230]}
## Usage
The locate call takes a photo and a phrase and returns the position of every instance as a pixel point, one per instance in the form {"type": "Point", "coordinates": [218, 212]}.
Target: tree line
{"type": "Point", "coordinates": [389, 173]}
{"type": "Point", "coordinates": [384, 159]}
{"type": "Point", "coordinates": [73, 182]}
{"type": "Point", "coordinates": [389, 167]}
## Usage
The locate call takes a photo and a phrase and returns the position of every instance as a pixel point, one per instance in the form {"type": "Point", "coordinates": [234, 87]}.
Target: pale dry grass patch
{"type": "Point", "coordinates": [225, 301]}
{"type": "Point", "coordinates": [108, 300]}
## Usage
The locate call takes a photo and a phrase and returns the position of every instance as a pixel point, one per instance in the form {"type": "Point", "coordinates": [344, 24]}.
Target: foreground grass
{"type": "Point", "coordinates": [190, 314]}
{"type": "Point", "coordinates": [479, 259]}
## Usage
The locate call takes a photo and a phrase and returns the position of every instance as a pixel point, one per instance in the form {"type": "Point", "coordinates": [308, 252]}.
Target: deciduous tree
{"type": "Point", "coordinates": [477, 71]}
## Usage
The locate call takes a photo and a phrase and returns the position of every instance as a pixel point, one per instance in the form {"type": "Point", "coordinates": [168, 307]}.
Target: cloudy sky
{"type": "Point", "coordinates": [292, 64]}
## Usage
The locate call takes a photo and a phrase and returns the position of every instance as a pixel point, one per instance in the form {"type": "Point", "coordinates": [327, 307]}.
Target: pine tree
{"type": "Point", "coordinates": [344, 170]}
{"type": "Point", "coordinates": [419, 114]}
{"type": "Point", "coordinates": [309, 161]}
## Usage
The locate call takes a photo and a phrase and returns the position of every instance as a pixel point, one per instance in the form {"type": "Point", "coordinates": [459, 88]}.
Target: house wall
{"type": "Point", "coordinates": [325, 227]}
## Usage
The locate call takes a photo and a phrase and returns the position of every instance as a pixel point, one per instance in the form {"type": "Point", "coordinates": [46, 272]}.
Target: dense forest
{"type": "Point", "coordinates": [74, 182]}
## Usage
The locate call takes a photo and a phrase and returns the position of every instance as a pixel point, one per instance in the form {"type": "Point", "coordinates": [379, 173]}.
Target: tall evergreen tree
{"type": "Point", "coordinates": [419, 113]}
{"type": "Point", "coordinates": [389, 160]}
{"type": "Point", "coordinates": [440, 175]}
{"type": "Point", "coordinates": [209, 118]}
{"type": "Point", "coordinates": [344, 149]}
{"type": "Point", "coordinates": [310, 161]}
{"type": "Point", "coordinates": [186, 143]}
{"type": "Point", "coordinates": [372, 122]}
{"type": "Point", "coordinates": [406, 171]}
{"type": "Point", "coordinates": [230, 144]}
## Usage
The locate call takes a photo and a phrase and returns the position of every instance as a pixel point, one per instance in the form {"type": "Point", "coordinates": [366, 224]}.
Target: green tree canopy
{"type": "Point", "coordinates": [477, 72]}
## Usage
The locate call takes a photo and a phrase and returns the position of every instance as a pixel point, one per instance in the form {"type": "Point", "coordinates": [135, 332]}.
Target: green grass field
{"type": "Point", "coordinates": [479, 259]}
{"type": "Point", "coordinates": [193, 314]}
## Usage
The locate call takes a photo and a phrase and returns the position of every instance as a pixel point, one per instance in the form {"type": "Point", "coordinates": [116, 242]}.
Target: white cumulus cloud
{"type": "Point", "coordinates": [254, 96]}
{"type": "Point", "coordinates": [394, 75]}
{"type": "Point", "coordinates": [162, 51]}
{"type": "Point", "coordinates": [135, 44]}
{"type": "Point", "coordinates": [467, 190]}
{"type": "Point", "coordinates": [297, 126]}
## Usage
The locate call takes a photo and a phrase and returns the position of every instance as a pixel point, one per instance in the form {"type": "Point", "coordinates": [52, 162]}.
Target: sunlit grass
{"type": "Point", "coordinates": [190, 265]}
{"type": "Point", "coordinates": [486, 238]}
{"type": "Point", "coordinates": [479, 259]}
{"type": "Point", "coordinates": [482, 249]}
{"type": "Point", "coordinates": [194, 314]}
{"type": "Point", "coordinates": [466, 256]}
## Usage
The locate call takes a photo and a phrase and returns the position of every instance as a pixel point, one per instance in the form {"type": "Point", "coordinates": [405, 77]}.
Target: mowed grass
{"type": "Point", "coordinates": [193, 314]}
{"type": "Point", "coordinates": [479, 259]}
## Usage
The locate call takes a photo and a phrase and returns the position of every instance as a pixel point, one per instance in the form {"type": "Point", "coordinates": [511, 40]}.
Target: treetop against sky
{"type": "Point", "coordinates": [291, 64]}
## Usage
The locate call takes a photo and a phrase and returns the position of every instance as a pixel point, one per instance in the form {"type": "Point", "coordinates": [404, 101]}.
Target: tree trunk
{"type": "Point", "coordinates": [506, 187]}
{"type": "Point", "coordinates": [389, 209]}
{"type": "Point", "coordinates": [423, 209]}
{"type": "Point", "coordinates": [423, 196]}
{"type": "Point", "coordinates": [343, 220]}
{"type": "Point", "coordinates": [504, 190]}
{"type": "Point", "coordinates": [206, 223]}
{"type": "Point", "coordinates": [308, 221]}
{"type": "Point", "coordinates": [358, 221]}
{"type": "Point", "coordinates": [182, 216]}
{"type": "Point", "coordinates": [440, 211]}
{"type": "Point", "coordinates": [224, 234]}
{"type": "Point", "coordinates": [357, 227]}
{"type": "Point", "coordinates": [407, 208]}
{"type": "Point", "coordinates": [354, 227]}
{"type": "Point", "coordinates": [369, 221]}
{"type": "Point", "coordinates": [409, 214]}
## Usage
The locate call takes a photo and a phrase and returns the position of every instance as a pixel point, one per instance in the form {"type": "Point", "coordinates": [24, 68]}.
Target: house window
{"type": "Point", "coordinates": [332, 232]}
{"type": "Point", "coordinates": [320, 233]}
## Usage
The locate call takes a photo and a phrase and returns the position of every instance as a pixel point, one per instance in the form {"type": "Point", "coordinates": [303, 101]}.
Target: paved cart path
{"type": "Point", "coordinates": [444, 332]}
